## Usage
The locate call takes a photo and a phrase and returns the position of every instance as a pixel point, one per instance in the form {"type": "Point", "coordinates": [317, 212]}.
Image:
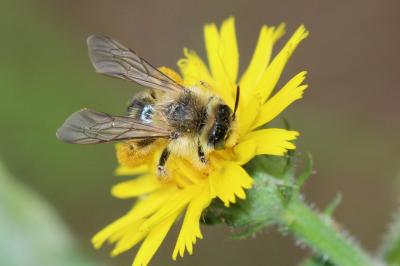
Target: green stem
{"type": "Point", "coordinates": [275, 199]}
{"type": "Point", "coordinates": [320, 234]}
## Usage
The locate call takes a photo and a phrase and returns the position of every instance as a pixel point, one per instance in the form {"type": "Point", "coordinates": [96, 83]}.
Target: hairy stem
{"type": "Point", "coordinates": [390, 248]}
{"type": "Point", "coordinates": [321, 236]}
{"type": "Point", "coordinates": [275, 199]}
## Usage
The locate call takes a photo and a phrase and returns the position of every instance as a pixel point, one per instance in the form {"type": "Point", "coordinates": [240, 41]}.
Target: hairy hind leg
{"type": "Point", "coordinates": [161, 169]}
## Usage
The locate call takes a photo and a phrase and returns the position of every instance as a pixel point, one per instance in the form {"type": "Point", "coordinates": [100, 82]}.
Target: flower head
{"type": "Point", "coordinates": [189, 189]}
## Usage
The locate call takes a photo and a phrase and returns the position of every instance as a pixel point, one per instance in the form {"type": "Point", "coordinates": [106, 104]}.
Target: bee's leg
{"type": "Point", "coordinates": [161, 171]}
{"type": "Point", "coordinates": [200, 153]}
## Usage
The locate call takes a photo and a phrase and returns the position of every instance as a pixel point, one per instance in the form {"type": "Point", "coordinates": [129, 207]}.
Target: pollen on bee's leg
{"type": "Point", "coordinates": [134, 153]}
{"type": "Point", "coordinates": [127, 154]}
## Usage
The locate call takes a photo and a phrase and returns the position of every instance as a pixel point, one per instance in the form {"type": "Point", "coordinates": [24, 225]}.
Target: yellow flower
{"type": "Point", "coordinates": [190, 189]}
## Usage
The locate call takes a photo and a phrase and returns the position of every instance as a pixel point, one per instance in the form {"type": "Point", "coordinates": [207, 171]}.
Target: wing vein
{"type": "Point", "coordinates": [113, 59]}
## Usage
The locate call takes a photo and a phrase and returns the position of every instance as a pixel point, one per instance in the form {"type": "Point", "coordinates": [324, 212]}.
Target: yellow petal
{"type": "Point", "coordinates": [172, 74]}
{"type": "Point", "coordinates": [273, 141]}
{"type": "Point", "coordinates": [153, 240]}
{"type": "Point", "coordinates": [130, 171]}
{"type": "Point", "coordinates": [251, 99]}
{"type": "Point", "coordinates": [146, 206]}
{"type": "Point", "coordinates": [193, 69]}
{"type": "Point", "coordinates": [143, 208]}
{"type": "Point", "coordinates": [212, 42]}
{"type": "Point", "coordinates": [245, 151]}
{"type": "Point", "coordinates": [112, 239]}
{"type": "Point", "coordinates": [191, 225]}
{"type": "Point", "coordinates": [139, 186]}
{"type": "Point", "coordinates": [267, 38]}
{"type": "Point", "coordinates": [223, 84]}
{"type": "Point", "coordinates": [247, 112]}
{"type": "Point", "coordinates": [188, 171]}
{"type": "Point", "coordinates": [229, 49]}
{"type": "Point", "coordinates": [274, 70]}
{"type": "Point", "coordinates": [121, 223]}
{"type": "Point", "coordinates": [293, 90]}
{"type": "Point", "coordinates": [228, 182]}
{"type": "Point", "coordinates": [130, 238]}
{"type": "Point", "coordinates": [177, 202]}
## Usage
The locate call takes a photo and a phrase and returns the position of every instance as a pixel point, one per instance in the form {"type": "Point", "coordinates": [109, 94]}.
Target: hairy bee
{"type": "Point", "coordinates": [192, 121]}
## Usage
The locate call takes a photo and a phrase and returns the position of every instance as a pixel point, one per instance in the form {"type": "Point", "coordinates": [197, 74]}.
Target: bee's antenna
{"type": "Point", "coordinates": [236, 100]}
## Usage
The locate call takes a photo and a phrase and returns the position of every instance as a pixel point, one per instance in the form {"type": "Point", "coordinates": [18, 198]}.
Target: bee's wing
{"type": "Point", "coordinates": [89, 127]}
{"type": "Point", "coordinates": [113, 59]}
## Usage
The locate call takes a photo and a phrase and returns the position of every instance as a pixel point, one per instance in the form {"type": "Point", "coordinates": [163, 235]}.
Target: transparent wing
{"type": "Point", "coordinates": [113, 59]}
{"type": "Point", "coordinates": [89, 127]}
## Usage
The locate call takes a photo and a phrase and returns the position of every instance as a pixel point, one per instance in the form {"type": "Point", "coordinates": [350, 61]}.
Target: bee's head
{"type": "Point", "coordinates": [220, 130]}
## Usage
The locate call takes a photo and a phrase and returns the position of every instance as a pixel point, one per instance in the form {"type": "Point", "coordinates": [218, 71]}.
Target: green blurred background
{"type": "Point", "coordinates": [349, 118]}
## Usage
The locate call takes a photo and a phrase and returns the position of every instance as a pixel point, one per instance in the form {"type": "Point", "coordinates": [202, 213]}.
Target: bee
{"type": "Point", "coordinates": [191, 121]}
